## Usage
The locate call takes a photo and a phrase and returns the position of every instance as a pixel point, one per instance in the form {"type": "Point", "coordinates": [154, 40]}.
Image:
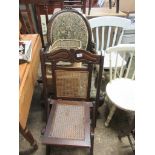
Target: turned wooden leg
{"type": "Point", "coordinates": [62, 4]}
{"type": "Point", "coordinates": [129, 130]}
{"type": "Point", "coordinates": [92, 144]}
{"type": "Point", "coordinates": [84, 7]}
{"type": "Point", "coordinates": [28, 136]}
{"type": "Point", "coordinates": [117, 6]}
{"type": "Point", "coordinates": [90, 5]}
{"type": "Point", "coordinates": [112, 111]}
{"type": "Point", "coordinates": [110, 4]}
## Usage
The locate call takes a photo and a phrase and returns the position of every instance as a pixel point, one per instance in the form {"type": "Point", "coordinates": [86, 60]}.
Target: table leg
{"type": "Point", "coordinates": [110, 4]}
{"type": "Point", "coordinates": [28, 136]}
{"type": "Point", "coordinates": [90, 4]}
{"type": "Point", "coordinates": [129, 130]}
{"type": "Point", "coordinates": [111, 113]}
{"type": "Point", "coordinates": [48, 150]}
{"type": "Point", "coordinates": [84, 6]}
{"type": "Point", "coordinates": [117, 6]}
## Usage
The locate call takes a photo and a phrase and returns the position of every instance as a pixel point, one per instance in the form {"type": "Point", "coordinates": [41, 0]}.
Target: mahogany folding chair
{"type": "Point", "coordinates": [71, 113]}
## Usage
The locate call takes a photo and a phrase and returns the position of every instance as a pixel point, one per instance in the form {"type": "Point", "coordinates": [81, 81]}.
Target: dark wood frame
{"type": "Point", "coordinates": [117, 5]}
{"type": "Point", "coordinates": [129, 132]}
{"type": "Point", "coordinates": [71, 56]}
{"type": "Point", "coordinates": [76, 4]}
{"type": "Point", "coordinates": [28, 21]}
{"type": "Point", "coordinates": [90, 45]}
{"type": "Point", "coordinates": [71, 142]}
{"type": "Point", "coordinates": [28, 136]}
{"type": "Point", "coordinates": [44, 8]}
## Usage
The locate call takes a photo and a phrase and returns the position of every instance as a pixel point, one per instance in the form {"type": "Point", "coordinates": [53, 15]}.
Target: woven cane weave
{"type": "Point", "coordinates": [72, 84]}
{"type": "Point", "coordinates": [68, 122]}
{"type": "Point", "coordinates": [65, 44]}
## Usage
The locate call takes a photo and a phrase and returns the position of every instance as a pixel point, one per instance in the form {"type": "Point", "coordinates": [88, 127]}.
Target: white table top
{"type": "Point", "coordinates": [122, 93]}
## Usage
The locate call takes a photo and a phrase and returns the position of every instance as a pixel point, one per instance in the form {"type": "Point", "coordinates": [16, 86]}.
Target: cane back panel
{"type": "Point", "coordinates": [72, 84]}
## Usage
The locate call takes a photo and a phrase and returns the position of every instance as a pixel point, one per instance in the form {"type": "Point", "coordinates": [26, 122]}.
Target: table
{"type": "Point", "coordinates": [28, 73]}
{"type": "Point", "coordinates": [121, 92]}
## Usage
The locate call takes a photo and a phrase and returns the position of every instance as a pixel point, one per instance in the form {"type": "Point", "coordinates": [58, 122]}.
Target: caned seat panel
{"type": "Point", "coordinates": [74, 133]}
{"type": "Point", "coordinates": [68, 113]}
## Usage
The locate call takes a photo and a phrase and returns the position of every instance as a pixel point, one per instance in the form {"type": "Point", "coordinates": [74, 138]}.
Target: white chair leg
{"type": "Point", "coordinates": [112, 111]}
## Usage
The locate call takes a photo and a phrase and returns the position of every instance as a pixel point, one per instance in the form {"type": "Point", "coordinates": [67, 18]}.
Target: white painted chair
{"type": "Point", "coordinates": [120, 88]}
{"type": "Point", "coordinates": [108, 31]}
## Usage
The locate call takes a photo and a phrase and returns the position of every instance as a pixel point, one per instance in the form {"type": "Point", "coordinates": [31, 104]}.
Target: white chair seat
{"type": "Point", "coordinates": [121, 92]}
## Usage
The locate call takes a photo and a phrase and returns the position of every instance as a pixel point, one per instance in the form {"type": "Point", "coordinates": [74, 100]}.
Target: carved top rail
{"type": "Point", "coordinates": [72, 55]}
